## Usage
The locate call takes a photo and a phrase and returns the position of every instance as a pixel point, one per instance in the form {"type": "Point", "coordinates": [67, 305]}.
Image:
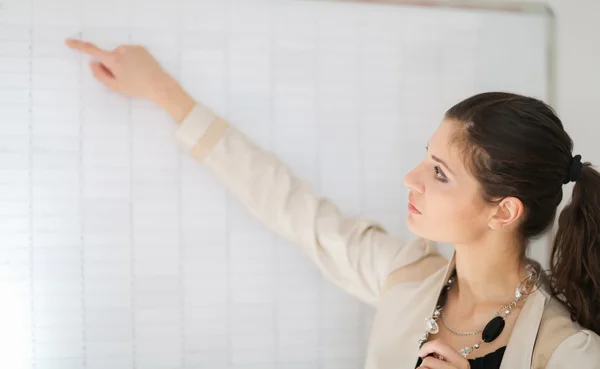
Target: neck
{"type": "Point", "coordinates": [488, 272]}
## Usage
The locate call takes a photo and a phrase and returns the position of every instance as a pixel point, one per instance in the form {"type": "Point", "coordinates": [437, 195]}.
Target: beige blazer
{"type": "Point", "coordinates": [402, 280]}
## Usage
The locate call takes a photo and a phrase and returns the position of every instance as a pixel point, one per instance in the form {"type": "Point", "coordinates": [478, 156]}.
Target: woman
{"type": "Point", "coordinates": [491, 180]}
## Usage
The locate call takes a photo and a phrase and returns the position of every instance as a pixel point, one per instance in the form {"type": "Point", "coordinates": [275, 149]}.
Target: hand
{"type": "Point", "coordinates": [132, 71]}
{"type": "Point", "coordinates": [451, 358]}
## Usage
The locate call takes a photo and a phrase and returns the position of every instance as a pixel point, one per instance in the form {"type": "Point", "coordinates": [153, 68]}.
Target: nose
{"type": "Point", "coordinates": [414, 181]}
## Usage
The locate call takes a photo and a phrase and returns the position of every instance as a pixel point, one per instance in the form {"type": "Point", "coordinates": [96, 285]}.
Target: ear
{"type": "Point", "coordinates": [507, 212]}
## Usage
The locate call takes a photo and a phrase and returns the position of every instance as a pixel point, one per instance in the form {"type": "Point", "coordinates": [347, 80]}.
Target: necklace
{"type": "Point", "coordinates": [456, 333]}
{"type": "Point", "coordinates": [494, 327]}
{"type": "Point", "coordinates": [505, 309]}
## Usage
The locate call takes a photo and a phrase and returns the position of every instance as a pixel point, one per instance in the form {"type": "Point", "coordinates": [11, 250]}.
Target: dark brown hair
{"type": "Point", "coordinates": [517, 146]}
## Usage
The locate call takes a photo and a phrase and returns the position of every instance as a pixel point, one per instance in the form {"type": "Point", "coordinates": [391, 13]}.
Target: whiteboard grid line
{"type": "Point", "coordinates": [362, 124]}
{"type": "Point", "coordinates": [228, 200]}
{"type": "Point", "coordinates": [180, 245]}
{"type": "Point", "coordinates": [82, 212]}
{"type": "Point", "coordinates": [319, 184]}
{"type": "Point", "coordinates": [132, 238]}
{"type": "Point", "coordinates": [31, 230]}
{"type": "Point", "coordinates": [273, 126]}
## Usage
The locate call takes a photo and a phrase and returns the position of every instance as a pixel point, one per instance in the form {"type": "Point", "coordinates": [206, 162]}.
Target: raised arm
{"type": "Point", "coordinates": [355, 253]}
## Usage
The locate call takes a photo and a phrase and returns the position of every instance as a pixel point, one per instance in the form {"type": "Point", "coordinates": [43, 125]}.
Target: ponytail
{"type": "Point", "coordinates": [575, 258]}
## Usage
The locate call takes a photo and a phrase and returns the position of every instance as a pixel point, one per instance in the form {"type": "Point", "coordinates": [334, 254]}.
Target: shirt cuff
{"type": "Point", "coordinates": [194, 126]}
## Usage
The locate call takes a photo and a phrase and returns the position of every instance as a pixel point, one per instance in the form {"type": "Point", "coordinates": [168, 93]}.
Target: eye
{"type": "Point", "coordinates": [439, 175]}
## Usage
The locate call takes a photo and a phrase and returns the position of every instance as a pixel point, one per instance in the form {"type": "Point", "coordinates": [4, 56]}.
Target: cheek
{"type": "Point", "coordinates": [449, 217]}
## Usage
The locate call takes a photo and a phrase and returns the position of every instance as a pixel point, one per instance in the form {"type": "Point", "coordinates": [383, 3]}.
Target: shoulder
{"type": "Point", "coordinates": [418, 260]}
{"type": "Point", "coordinates": [562, 343]}
{"type": "Point", "coordinates": [579, 350]}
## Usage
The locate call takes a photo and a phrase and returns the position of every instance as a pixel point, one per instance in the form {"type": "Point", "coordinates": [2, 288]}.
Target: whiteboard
{"type": "Point", "coordinates": [118, 251]}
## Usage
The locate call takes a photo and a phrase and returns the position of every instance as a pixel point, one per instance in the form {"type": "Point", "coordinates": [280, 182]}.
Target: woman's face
{"type": "Point", "coordinates": [445, 202]}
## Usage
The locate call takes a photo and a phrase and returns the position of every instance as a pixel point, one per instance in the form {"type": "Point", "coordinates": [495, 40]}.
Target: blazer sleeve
{"type": "Point", "coordinates": [355, 253]}
{"type": "Point", "coordinates": [580, 350]}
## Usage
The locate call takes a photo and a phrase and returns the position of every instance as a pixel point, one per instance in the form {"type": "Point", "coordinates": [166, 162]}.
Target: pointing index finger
{"type": "Point", "coordinates": [102, 55]}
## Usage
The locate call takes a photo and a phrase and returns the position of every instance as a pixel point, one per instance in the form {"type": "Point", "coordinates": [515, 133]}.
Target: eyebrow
{"type": "Point", "coordinates": [435, 158]}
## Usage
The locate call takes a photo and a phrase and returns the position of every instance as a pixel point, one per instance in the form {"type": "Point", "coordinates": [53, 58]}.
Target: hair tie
{"type": "Point", "coordinates": [574, 170]}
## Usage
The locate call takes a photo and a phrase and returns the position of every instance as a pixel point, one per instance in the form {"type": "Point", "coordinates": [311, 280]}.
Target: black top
{"type": "Point", "coordinates": [489, 361]}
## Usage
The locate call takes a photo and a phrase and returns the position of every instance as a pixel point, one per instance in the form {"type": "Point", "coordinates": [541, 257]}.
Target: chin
{"type": "Point", "coordinates": [416, 226]}
{"type": "Point", "coordinates": [413, 225]}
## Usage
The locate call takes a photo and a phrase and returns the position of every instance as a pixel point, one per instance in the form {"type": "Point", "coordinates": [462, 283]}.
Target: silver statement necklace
{"type": "Point", "coordinates": [493, 328]}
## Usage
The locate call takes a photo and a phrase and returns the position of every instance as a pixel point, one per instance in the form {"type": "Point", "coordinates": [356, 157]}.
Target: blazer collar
{"type": "Point", "coordinates": [519, 351]}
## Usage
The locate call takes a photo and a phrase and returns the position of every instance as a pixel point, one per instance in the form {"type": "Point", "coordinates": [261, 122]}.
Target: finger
{"type": "Point", "coordinates": [103, 75]}
{"type": "Point", "coordinates": [432, 363]}
{"type": "Point", "coordinates": [440, 348]}
{"type": "Point", "coordinates": [88, 48]}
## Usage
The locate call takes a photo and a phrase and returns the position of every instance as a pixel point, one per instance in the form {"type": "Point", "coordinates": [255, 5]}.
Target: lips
{"type": "Point", "coordinates": [411, 206]}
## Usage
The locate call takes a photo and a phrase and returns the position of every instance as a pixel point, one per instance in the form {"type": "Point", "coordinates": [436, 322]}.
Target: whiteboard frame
{"type": "Point", "coordinates": [542, 9]}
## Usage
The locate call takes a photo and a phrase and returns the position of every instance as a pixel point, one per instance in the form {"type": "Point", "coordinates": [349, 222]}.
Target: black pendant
{"type": "Point", "coordinates": [493, 329]}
